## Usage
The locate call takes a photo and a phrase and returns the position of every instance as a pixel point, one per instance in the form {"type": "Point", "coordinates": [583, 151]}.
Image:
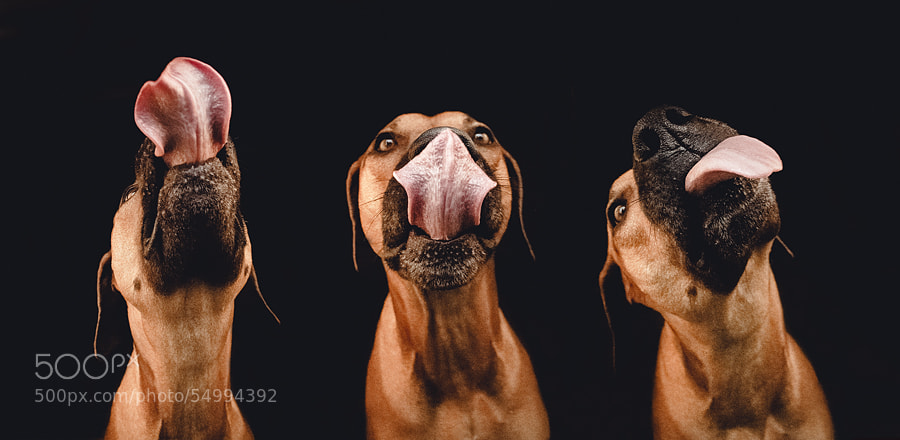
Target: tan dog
{"type": "Point", "coordinates": [179, 256]}
{"type": "Point", "coordinates": [690, 230]}
{"type": "Point", "coordinates": [434, 199]}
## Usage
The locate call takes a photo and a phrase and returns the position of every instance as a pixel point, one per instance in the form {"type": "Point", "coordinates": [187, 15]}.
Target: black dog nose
{"type": "Point", "coordinates": [648, 139]}
{"type": "Point", "coordinates": [646, 144]}
{"type": "Point", "coordinates": [669, 128]}
{"type": "Point", "coordinates": [419, 144]}
{"type": "Point", "coordinates": [678, 115]}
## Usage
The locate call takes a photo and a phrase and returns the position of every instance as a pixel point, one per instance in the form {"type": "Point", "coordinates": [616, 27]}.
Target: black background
{"type": "Point", "coordinates": [560, 86]}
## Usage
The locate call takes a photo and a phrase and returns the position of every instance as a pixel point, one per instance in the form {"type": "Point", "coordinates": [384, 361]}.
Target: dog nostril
{"type": "Point", "coordinates": [647, 144]}
{"type": "Point", "coordinates": [678, 116]}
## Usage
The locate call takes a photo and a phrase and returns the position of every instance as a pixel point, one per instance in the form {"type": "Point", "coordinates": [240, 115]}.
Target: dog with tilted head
{"type": "Point", "coordinates": [690, 229]}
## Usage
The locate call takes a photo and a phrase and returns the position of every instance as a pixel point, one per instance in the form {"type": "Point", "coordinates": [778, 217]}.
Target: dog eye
{"type": "Point", "coordinates": [385, 142]}
{"type": "Point", "coordinates": [616, 212]}
{"type": "Point", "coordinates": [483, 136]}
{"type": "Point", "coordinates": [129, 192]}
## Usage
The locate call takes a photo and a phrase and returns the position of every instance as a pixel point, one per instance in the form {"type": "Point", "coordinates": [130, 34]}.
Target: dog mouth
{"type": "Point", "coordinates": [708, 187]}
{"type": "Point", "coordinates": [192, 229]}
{"type": "Point", "coordinates": [442, 215]}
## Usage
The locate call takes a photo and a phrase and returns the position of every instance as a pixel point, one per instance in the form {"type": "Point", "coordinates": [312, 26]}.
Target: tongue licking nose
{"type": "Point", "coordinates": [735, 156]}
{"type": "Point", "coordinates": [445, 188]}
{"type": "Point", "coordinates": [186, 112]}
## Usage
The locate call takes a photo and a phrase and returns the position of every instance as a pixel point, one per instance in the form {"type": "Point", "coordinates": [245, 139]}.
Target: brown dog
{"type": "Point", "coordinates": [434, 199]}
{"type": "Point", "coordinates": [179, 256]}
{"type": "Point", "coordinates": [690, 230]}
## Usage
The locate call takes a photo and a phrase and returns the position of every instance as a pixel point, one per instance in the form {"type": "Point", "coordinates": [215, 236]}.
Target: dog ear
{"type": "Point", "coordinates": [255, 283]}
{"type": "Point", "coordinates": [112, 311]}
{"type": "Point", "coordinates": [353, 205]}
{"type": "Point", "coordinates": [610, 278]}
{"type": "Point", "coordinates": [518, 193]}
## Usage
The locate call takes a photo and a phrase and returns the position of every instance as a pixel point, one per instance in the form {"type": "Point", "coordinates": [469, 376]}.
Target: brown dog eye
{"type": "Point", "coordinates": [620, 213]}
{"type": "Point", "coordinates": [616, 212]}
{"type": "Point", "coordinates": [128, 193]}
{"type": "Point", "coordinates": [483, 136]}
{"type": "Point", "coordinates": [385, 142]}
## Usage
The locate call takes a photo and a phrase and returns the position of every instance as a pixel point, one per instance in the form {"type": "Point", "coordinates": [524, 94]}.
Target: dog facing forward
{"type": "Point", "coordinates": [433, 198]}
{"type": "Point", "coordinates": [690, 229]}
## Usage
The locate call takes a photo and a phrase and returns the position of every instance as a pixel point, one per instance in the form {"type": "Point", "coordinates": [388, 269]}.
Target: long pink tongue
{"type": "Point", "coordinates": [735, 156]}
{"type": "Point", "coordinates": [445, 187]}
{"type": "Point", "coordinates": [186, 112]}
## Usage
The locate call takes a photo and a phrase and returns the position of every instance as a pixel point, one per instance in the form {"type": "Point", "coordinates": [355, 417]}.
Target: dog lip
{"type": "Point", "coordinates": [415, 230]}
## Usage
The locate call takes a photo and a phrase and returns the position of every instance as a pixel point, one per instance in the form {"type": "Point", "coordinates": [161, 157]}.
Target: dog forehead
{"type": "Point", "coordinates": [413, 124]}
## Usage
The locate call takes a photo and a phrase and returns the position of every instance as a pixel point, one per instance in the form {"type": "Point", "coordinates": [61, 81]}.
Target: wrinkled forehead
{"type": "Point", "coordinates": [625, 187]}
{"type": "Point", "coordinates": [412, 124]}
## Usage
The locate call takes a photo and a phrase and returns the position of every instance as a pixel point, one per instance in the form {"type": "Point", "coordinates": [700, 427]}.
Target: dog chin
{"type": "Point", "coordinates": [440, 265]}
{"type": "Point", "coordinates": [736, 217]}
{"type": "Point", "coordinates": [193, 230]}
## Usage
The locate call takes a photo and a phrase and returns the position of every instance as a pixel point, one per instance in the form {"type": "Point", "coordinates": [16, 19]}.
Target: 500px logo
{"type": "Point", "coordinates": [67, 366]}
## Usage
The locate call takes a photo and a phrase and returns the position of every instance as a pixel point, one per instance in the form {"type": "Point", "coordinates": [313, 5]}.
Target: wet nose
{"type": "Point", "coordinates": [670, 127]}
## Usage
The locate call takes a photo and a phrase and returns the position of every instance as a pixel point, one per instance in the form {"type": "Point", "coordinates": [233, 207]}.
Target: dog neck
{"type": "Point", "coordinates": [179, 385]}
{"type": "Point", "coordinates": [454, 333]}
{"type": "Point", "coordinates": [735, 355]}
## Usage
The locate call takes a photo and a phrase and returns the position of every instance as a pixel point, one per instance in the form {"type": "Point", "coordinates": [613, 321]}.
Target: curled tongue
{"type": "Point", "coordinates": [185, 112]}
{"type": "Point", "coordinates": [445, 187]}
{"type": "Point", "coordinates": [740, 155]}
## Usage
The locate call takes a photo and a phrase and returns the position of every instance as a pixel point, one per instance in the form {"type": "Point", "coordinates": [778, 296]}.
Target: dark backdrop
{"type": "Point", "coordinates": [561, 87]}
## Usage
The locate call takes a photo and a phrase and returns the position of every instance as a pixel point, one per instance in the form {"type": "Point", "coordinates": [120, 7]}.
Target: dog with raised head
{"type": "Point", "coordinates": [433, 196]}
{"type": "Point", "coordinates": [179, 255]}
{"type": "Point", "coordinates": [690, 230]}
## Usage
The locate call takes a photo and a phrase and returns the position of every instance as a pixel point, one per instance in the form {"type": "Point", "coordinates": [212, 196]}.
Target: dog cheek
{"type": "Point", "coordinates": [394, 221]}
{"type": "Point", "coordinates": [494, 213]}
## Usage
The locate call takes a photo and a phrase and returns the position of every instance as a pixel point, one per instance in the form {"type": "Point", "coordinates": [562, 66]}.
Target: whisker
{"type": "Point", "coordinates": [376, 199]}
{"type": "Point", "coordinates": [376, 217]}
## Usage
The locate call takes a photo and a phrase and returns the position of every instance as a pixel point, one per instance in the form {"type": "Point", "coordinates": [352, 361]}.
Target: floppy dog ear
{"type": "Point", "coordinates": [610, 279]}
{"type": "Point", "coordinates": [111, 311]}
{"type": "Point", "coordinates": [353, 205]}
{"type": "Point", "coordinates": [255, 283]}
{"type": "Point", "coordinates": [518, 193]}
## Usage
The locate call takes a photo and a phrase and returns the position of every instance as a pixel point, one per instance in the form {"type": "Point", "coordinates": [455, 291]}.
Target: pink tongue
{"type": "Point", "coordinates": [186, 112]}
{"type": "Point", "coordinates": [735, 156]}
{"type": "Point", "coordinates": [445, 187]}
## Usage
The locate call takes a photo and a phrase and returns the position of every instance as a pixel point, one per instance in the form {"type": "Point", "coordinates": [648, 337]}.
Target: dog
{"type": "Point", "coordinates": [180, 254]}
{"type": "Point", "coordinates": [690, 228]}
{"type": "Point", "coordinates": [433, 197]}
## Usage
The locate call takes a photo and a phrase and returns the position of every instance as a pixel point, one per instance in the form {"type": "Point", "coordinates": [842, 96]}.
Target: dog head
{"type": "Point", "coordinates": [434, 197]}
{"type": "Point", "coordinates": [179, 224]}
{"type": "Point", "coordinates": [696, 206]}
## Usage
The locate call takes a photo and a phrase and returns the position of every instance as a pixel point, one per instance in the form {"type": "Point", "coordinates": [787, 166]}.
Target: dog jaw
{"type": "Point", "coordinates": [192, 229]}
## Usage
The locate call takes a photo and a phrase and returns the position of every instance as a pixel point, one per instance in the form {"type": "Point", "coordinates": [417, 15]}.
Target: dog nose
{"type": "Point", "coordinates": [646, 144]}
{"type": "Point", "coordinates": [656, 125]}
{"type": "Point", "coordinates": [669, 128]}
{"type": "Point", "coordinates": [678, 115]}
